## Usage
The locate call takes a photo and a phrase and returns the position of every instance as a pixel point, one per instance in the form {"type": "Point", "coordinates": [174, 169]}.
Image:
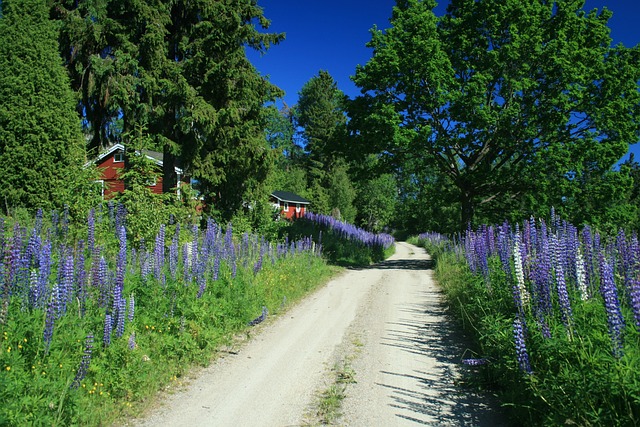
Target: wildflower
{"type": "Point", "coordinates": [260, 318]}
{"type": "Point", "coordinates": [474, 362]}
{"type": "Point", "coordinates": [132, 341]}
{"type": "Point", "coordinates": [581, 276]}
{"type": "Point", "coordinates": [132, 307]}
{"type": "Point", "coordinates": [106, 339]}
{"type": "Point", "coordinates": [91, 225]}
{"type": "Point", "coordinates": [48, 324]}
{"type": "Point", "coordinates": [612, 306]}
{"type": "Point", "coordinates": [517, 258]}
{"type": "Point", "coordinates": [521, 348]}
{"type": "Point", "coordinates": [563, 297]}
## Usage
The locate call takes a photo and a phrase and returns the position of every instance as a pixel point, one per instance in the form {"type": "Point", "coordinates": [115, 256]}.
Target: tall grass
{"type": "Point", "coordinates": [90, 329]}
{"type": "Point", "coordinates": [554, 312]}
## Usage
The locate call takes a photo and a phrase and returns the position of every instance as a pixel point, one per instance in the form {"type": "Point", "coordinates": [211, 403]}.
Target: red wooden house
{"type": "Point", "coordinates": [290, 205]}
{"type": "Point", "coordinates": [111, 164]}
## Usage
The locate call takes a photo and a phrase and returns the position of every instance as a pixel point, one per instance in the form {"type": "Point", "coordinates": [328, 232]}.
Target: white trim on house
{"type": "Point", "coordinates": [116, 147]}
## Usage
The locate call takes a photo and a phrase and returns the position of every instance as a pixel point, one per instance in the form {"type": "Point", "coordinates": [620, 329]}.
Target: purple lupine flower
{"type": "Point", "coordinates": [474, 362]}
{"type": "Point", "coordinates": [80, 277]}
{"type": "Point", "coordinates": [132, 307]}
{"type": "Point", "coordinates": [260, 318]}
{"type": "Point", "coordinates": [521, 348]}
{"type": "Point", "coordinates": [95, 267]}
{"type": "Point", "coordinates": [122, 258]}
{"type": "Point", "coordinates": [634, 297]}
{"type": "Point", "coordinates": [563, 298]}
{"type": "Point", "coordinates": [612, 306]}
{"type": "Point", "coordinates": [120, 316]}
{"type": "Point", "coordinates": [44, 270]}
{"type": "Point", "coordinates": [84, 363]}
{"type": "Point", "coordinates": [120, 220]}
{"type": "Point", "coordinates": [132, 341]}
{"type": "Point", "coordinates": [216, 266]}
{"type": "Point", "coordinates": [49, 323]}
{"type": "Point", "coordinates": [194, 249]}
{"type": "Point", "coordinates": [173, 253]}
{"type": "Point", "coordinates": [66, 283]}
{"type": "Point", "coordinates": [102, 282]}
{"type": "Point", "coordinates": [202, 285]}
{"type": "Point", "coordinates": [91, 230]}
{"type": "Point", "coordinates": [504, 246]}
{"type": "Point", "coordinates": [159, 255]}
{"type": "Point", "coordinates": [106, 338]}
{"type": "Point", "coordinates": [587, 240]}
{"type": "Point", "coordinates": [257, 266]}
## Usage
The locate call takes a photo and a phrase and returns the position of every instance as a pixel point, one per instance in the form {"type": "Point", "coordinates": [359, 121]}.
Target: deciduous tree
{"type": "Point", "coordinates": [493, 94]}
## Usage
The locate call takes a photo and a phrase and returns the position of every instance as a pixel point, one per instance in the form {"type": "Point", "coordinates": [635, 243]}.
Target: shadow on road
{"type": "Point", "coordinates": [429, 332]}
{"type": "Point", "coordinates": [399, 264]}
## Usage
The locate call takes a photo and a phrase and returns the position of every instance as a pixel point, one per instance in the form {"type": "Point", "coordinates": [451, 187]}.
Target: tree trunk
{"type": "Point", "coordinates": [467, 209]}
{"type": "Point", "coordinates": [169, 176]}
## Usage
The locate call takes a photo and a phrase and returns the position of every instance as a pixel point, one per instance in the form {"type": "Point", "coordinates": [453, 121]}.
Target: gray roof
{"type": "Point", "coordinates": [287, 196]}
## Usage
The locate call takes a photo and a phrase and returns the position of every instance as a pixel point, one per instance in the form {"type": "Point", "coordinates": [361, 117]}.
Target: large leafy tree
{"type": "Point", "coordinates": [41, 146]}
{"type": "Point", "coordinates": [499, 95]}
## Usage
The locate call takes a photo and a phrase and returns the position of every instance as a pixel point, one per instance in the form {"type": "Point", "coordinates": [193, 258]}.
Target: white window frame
{"type": "Point", "coordinates": [298, 207]}
{"type": "Point", "coordinates": [286, 207]}
{"type": "Point", "coordinates": [118, 157]}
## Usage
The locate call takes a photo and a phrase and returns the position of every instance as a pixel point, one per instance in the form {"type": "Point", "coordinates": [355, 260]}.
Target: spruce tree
{"type": "Point", "coordinates": [41, 147]}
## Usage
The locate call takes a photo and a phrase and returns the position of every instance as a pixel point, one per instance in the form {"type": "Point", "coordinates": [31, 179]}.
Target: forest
{"type": "Point", "coordinates": [490, 112]}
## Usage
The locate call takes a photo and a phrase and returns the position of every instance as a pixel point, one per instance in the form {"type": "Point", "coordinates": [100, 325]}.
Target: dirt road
{"type": "Point", "coordinates": [405, 361]}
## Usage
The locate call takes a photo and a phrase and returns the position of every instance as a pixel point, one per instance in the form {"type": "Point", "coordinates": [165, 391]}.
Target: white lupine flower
{"type": "Point", "coordinates": [517, 257]}
{"type": "Point", "coordinates": [580, 276]}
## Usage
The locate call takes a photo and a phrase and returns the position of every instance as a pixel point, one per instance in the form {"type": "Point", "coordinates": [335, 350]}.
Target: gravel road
{"type": "Point", "coordinates": [387, 320]}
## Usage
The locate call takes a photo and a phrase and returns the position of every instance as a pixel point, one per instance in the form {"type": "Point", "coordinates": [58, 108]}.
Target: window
{"type": "Point", "coordinates": [118, 157]}
{"type": "Point", "coordinates": [297, 207]}
{"type": "Point", "coordinates": [286, 206]}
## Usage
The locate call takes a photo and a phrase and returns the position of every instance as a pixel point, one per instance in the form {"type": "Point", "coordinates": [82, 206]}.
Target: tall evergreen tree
{"type": "Point", "coordinates": [41, 146]}
{"type": "Point", "coordinates": [180, 69]}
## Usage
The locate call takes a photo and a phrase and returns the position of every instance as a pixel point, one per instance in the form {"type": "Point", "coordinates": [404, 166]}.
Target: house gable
{"type": "Point", "coordinates": [111, 165]}
{"type": "Point", "coordinates": [289, 204]}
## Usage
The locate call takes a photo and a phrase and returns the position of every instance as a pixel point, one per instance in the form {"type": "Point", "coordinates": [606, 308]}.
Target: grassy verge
{"type": "Point", "coordinates": [88, 337]}
{"type": "Point", "coordinates": [556, 364]}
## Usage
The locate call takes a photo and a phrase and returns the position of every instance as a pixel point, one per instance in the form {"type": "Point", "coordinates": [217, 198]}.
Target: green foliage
{"type": "Point", "coordinates": [181, 70]}
{"type": "Point", "coordinates": [532, 100]}
{"type": "Point", "coordinates": [41, 150]}
{"type": "Point", "coordinates": [377, 199]}
{"type": "Point", "coordinates": [341, 193]}
{"type": "Point", "coordinates": [175, 326]}
{"type": "Point", "coordinates": [575, 379]}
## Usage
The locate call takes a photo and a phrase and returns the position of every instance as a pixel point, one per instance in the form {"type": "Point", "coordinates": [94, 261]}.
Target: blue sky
{"type": "Point", "coordinates": [331, 35]}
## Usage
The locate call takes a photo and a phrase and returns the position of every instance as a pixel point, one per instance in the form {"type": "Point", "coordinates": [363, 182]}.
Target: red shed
{"type": "Point", "coordinates": [111, 164]}
{"type": "Point", "coordinates": [290, 205]}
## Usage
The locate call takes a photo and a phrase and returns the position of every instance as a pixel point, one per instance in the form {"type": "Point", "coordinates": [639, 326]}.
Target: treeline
{"type": "Point", "coordinates": [487, 112]}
